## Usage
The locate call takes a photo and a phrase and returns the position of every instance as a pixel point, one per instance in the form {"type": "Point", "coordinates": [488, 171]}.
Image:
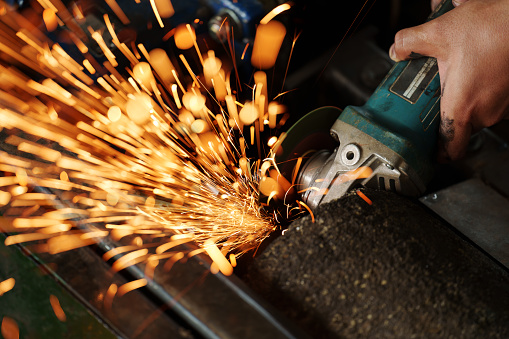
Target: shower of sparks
{"type": "Point", "coordinates": [142, 157]}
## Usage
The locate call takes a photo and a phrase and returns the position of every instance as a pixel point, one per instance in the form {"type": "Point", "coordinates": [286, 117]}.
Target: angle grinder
{"type": "Point", "coordinates": [386, 144]}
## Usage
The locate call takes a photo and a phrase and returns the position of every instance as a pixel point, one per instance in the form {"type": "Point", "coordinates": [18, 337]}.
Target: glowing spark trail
{"type": "Point", "coordinates": [141, 155]}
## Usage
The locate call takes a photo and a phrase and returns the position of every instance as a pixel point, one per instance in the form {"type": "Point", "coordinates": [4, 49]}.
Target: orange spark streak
{"type": "Point", "coordinates": [9, 329]}
{"type": "Point", "coordinates": [186, 64]}
{"type": "Point", "coordinates": [244, 52]}
{"type": "Point", "coordinates": [296, 170]}
{"type": "Point", "coordinates": [118, 250]}
{"type": "Point", "coordinates": [67, 242]}
{"type": "Point", "coordinates": [57, 309]}
{"type": "Point", "coordinates": [309, 210]}
{"type": "Point", "coordinates": [275, 11]}
{"type": "Point", "coordinates": [364, 197]}
{"type": "Point", "coordinates": [110, 294]}
{"type": "Point", "coordinates": [172, 260]}
{"type": "Point", "coordinates": [110, 28]}
{"type": "Point", "coordinates": [165, 247]}
{"type": "Point", "coordinates": [308, 189]}
{"type": "Point", "coordinates": [156, 12]}
{"type": "Point", "coordinates": [233, 260]}
{"type": "Point", "coordinates": [195, 43]}
{"type": "Point", "coordinates": [130, 286]}
{"type": "Point", "coordinates": [224, 266]}
{"type": "Point", "coordinates": [358, 173]}
{"type": "Point", "coordinates": [290, 58]}
{"type": "Point", "coordinates": [21, 238]}
{"type": "Point", "coordinates": [169, 34]}
{"type": "Point", "coordinates": [129, 259]}
{"type": "Point", "coordinates": [6, 286]}
{"type": "Point", "coordinates": [118, 11]}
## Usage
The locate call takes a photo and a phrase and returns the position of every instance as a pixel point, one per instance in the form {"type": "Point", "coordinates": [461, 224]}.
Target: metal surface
{"type": "Point", "coordinates": [29, 305]}
{"type": "Point", "coordinates": [187, 302]}
{"type": "Point", "coordinates": [477, 211]}
{"type": "Point", "coordinates": [387, 270]}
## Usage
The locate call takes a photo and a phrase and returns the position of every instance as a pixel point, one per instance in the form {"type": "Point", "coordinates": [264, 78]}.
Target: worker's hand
{"type": "Point", "coordinates": [471, 44]}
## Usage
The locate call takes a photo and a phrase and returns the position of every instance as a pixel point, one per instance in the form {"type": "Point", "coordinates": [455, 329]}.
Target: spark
{"type": "Point", "coordinates": [144, 156]}
{"type": "Point", "coordinates": [358, 173]}
{"type": "Point", "coordinates": [272, 141]}
{"type": "Point", "coordinates": [364, 197]}
{"type": "Point", "coordinates": [224, 266]}
{"type": "Point", "coordinates": [244, 51]}
{"type": "Point", "coordinates": [156, 12]}
{"type": "Point", "coordinates": [308, 209]}
{"type": "Point", "coordinates": [268, 41]}
{"type": "Point", "coordinates": [50, 19]}
{"type": "Point", "coordinates": [118, 11]}
{"type": "Point", "coordinates": [9, 328]}
{"type": "Point", "coordinates": [108, 298]}
{"type": "Point", "coordinates": [233, 260]}
{"type": "Point", "coordinates": [6, 286]}
{"type": "Point", "coordinates": [275, 11]}
{"type": "Point", "coordinates": [57, 309]}
{"type": "Point", "coordinates": [290, 58]}
{"type": "Point", "coordinates": [130, 286]}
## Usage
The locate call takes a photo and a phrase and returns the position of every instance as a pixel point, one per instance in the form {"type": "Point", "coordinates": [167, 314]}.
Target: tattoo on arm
{"type": "Point", "coordinates": [447, 130]}
{"type": "Point", "coordinates": [446, 134]}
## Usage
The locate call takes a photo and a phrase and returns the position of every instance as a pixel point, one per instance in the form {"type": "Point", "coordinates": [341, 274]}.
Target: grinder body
{"type": "Point", "coordinates": [393, 136]}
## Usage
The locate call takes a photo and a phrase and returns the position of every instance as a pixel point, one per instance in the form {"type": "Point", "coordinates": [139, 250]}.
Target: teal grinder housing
{"type": "Point", "coordinates": [388, 143]}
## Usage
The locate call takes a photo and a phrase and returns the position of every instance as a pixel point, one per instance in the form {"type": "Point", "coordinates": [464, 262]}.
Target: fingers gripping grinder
{"type": "Point", "coordinates": [393, 136]}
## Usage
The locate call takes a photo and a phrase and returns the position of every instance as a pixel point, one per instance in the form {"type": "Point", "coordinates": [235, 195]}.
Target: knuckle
{"type": "Point", "coordinates": [398, 41]}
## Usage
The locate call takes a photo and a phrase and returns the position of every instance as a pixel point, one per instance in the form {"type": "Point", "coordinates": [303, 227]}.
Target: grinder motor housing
{"type": "Point", "coordinates": [394, 134]}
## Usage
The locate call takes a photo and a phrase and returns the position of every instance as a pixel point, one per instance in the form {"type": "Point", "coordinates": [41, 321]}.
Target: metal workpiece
{"type": "Point", "coordinates": [387, 270]}
{"type": "Point", "coordinates": [187, 302]}
{"type": "Point", "coordinates": [477, 211]}
{"type": "Point", "coordinates": [35, 292]}
{"type": "Point", "coordinates": [329, 175]}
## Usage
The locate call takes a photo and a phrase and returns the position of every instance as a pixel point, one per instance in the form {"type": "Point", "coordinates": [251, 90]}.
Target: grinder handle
{"type": "Point", "coordinates": [403, 112]}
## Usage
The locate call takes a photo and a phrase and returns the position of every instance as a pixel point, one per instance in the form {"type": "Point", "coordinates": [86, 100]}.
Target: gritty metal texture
{"type": "Point", "coordinates": [389, 270]}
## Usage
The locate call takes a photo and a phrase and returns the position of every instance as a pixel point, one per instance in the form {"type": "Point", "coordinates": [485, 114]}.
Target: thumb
{"type": "Point", "coordinates": [415, 42]}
